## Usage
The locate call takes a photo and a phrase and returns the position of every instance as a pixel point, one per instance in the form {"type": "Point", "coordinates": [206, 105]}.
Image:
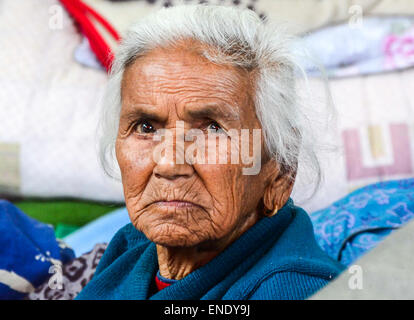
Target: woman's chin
{"type": "Point", "coordinates": [171, 235]}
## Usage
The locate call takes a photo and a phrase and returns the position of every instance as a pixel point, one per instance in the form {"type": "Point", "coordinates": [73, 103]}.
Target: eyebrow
{"type": "Point", "coordinates": [138, 112]}
{"type": "Point", "coordinates": [209, 110]}
{"type": "Point", "coordinates": [214, 111]}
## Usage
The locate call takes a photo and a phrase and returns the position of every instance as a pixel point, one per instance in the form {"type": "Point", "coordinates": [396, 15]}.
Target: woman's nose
{"type": "Point", "coordinates": [168, 168]}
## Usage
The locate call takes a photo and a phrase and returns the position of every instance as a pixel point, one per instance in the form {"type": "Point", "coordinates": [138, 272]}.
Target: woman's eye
{"type": "Point", "coordinates": [145, 127]}
{"type": "Point", "coordinates": [215, 127]}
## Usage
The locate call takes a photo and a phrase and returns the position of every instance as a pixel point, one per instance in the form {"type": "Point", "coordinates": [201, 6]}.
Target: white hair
{"type": "Point", "coordinates": [242, 39]}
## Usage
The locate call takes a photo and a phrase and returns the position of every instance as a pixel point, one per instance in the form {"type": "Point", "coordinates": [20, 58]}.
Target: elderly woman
{"type": "Point", "coordinates": [207, 229]}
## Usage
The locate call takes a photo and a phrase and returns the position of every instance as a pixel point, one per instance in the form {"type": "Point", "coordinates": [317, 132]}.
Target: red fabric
{"type": "Point", "coordinates": [161, 284]}
{"type": "Point", "coordinates": [82, 14]}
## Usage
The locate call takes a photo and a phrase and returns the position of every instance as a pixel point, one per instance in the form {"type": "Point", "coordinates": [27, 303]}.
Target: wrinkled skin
{"type": "Point", "coordinates": [192, 212]}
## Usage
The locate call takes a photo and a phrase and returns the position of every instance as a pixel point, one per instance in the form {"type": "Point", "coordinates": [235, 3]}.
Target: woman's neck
{"type": "Point", "coordinates": [178, 262]}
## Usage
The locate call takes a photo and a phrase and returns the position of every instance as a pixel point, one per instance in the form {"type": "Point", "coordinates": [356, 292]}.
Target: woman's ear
{"type": "Point", "coordinates": [278, 190]}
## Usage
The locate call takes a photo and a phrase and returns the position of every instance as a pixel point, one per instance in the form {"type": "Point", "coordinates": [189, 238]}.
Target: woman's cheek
{"type": "Point", "coordinates": [135, 162]}
{"type": "Point", "coordinates": [220, 180]}
{"type": "Point", "coordinates": [137, 155]}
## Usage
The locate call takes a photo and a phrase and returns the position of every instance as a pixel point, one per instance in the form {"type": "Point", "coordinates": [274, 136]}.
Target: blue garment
{"type": "Point", "coordinates": [277, 258]}
{"type": "Point", "coordinates": [27, 250]}
{"type": "Point", "coordinates": [357, 223]}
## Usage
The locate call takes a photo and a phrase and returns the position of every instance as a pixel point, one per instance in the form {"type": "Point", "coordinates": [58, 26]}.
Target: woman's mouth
{"type": "Point", "coordinates": [176, 204]}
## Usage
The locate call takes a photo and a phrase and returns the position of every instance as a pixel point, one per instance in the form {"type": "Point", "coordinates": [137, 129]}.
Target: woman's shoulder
{"type": "Point", "coordinates": [293, 268]}
{"type": "Point", "coordinates": [279, 286]}
{"type": "Point", "coordinates": [298, 250]}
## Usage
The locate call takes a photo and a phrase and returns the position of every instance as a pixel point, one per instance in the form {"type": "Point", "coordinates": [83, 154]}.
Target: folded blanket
{"type": "Point", "coordinates": [29, 253]}
{"type": "Point", "coordinates": [379, 44]}
{"type": "Point", "coordinates": [385, 273]}
{"type": "Point", "coordinates": [357, 223]}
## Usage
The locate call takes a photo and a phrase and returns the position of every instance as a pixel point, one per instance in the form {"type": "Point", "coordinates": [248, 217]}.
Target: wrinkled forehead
{"type": "Point", "coordinates": [183, 74]}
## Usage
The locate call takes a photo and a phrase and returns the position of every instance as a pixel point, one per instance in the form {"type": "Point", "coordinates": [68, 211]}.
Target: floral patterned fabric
{"type": "Point", "coordinates": [357, 223]}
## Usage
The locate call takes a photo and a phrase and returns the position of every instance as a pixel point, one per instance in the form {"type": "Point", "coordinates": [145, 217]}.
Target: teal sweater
{"type": "Point", "coordinates": [277, 258]}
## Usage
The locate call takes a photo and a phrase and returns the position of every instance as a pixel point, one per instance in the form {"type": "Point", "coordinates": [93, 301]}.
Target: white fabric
{"type": "Point", "coordinates": [49, 104]}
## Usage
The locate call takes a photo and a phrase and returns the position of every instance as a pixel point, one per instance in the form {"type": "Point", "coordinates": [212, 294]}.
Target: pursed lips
{"type": "Point", "coordinates": [176, 204]}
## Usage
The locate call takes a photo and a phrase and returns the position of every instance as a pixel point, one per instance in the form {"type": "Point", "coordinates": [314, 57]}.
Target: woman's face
{"type": "Point", "coordinates": [182, 204]}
